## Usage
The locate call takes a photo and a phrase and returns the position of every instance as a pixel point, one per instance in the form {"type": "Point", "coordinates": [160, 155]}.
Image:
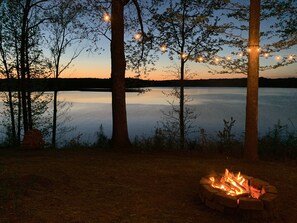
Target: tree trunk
{"type": "Point", "coordinates": [11, 111]}
{"type": "Point", "coordinates": [23, 50]}
{"type": "Point", "coordinates": [10, 97]}
{"type": "Point", "coordinates": [54, 133]}
{"type": "Point", "coordinates": [181, 105]}
{"type": "Point", "coordinates": [19, 101]}
{"type": "Point", "coordinates": [251, 128]}
{"type": "Point", "coordinates": [182, 77]}
{"type": "Point", "coordinates": [19, 115]}
{"type": "Point", "coordinates": [29, 101]}
{"type": "Point", "coordinates": [118, 66]}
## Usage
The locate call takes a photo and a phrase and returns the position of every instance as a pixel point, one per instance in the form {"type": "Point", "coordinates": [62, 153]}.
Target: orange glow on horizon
{"type": "Point", "coordinates": [154, 75]}
{"type": "Point", "coordinates": [99, 66]}
{"type": "Point", "coordinates": [100, 71]}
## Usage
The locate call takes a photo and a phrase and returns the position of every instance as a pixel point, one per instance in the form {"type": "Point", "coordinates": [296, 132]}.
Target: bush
{"type": "Point", "coordinates": [102, 140]}
{"type": "Point", "coordinates": [159, 141]}
{"type": "Point", "coordinates": [75, 143]}
{"type": "Point", "coordinates": [226, 141]}
{"type": "Point", "coordinates": [278, 143]}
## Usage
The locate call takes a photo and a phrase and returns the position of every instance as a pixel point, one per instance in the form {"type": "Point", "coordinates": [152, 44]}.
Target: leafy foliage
{"type": "Point", "coordinates": [278, 33]}
{"type": "Point", "coordinates": [188, 28]}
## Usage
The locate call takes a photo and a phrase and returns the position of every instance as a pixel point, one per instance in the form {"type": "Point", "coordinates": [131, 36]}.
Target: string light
{"type": "Point", "coordinates": [183, 55]}
{"type": "Point", "coordinates": [137, 36]}
{"type": "Point", "coordinates": [290, 57]}
{"type": "Point", "coordinates": [278, 57]}
{"type": "Point", "coordinates": [216, 60]}
{"type": "Point", "coordinates": [163, 48]}
{"type": "Point", "coordinates": [106, 18]}
{"type": "Point", "coordinates": [250, 49]}
{"type": "Point", "coordinates": [266, 55]}
{"type": "Point", "coordinates": [200, 59]}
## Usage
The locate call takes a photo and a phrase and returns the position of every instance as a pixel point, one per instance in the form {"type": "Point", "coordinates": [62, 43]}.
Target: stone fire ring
{"type": "Point", "coordinates": [244, 206]}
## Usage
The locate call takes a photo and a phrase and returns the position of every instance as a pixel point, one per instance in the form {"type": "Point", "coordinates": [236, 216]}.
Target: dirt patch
{"type": "Point", "coordinates": [96, 186]}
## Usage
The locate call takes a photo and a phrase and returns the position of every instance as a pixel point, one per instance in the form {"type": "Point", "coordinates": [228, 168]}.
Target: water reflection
{"type": "Point", "coordinates": [211, 104]}
{"type": "Point", "coordinates": [90, 109]}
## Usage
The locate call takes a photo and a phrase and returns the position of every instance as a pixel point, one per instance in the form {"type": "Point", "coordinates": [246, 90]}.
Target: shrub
{"type": "Point", "coordinates": [278, 143]}
{"type": "Point", "coordinates": [102, 140]}
{"type": "Point", "coordinates": [226, 139]}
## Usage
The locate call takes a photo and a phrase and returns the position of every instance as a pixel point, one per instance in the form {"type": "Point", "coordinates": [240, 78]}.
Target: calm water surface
{"type": "Point", "coordinates": [213, 105]}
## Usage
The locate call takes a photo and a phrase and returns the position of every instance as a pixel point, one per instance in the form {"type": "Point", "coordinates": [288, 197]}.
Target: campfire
{"type": "Point", "coordinates": [235, 185]}
{"type": "Point", "coordinates": [238, 194]}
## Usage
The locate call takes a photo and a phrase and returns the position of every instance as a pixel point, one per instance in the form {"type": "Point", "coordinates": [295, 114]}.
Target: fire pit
{"type": "Point", "coordinates": [238, 194]}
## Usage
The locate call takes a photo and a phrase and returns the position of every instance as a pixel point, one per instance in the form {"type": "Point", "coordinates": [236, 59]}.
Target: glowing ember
{"type": "Point", "coordinates": [235, 185]}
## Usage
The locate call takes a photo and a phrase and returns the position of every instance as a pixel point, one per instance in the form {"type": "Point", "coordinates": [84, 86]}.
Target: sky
{"type": "Point", "coordinates": [98, 65]}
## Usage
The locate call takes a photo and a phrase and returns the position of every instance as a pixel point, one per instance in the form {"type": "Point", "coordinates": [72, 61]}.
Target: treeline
{"type": "Point", "coordinates": [236, 82]}
{"type": "Point", "coordinates": [69, 84]}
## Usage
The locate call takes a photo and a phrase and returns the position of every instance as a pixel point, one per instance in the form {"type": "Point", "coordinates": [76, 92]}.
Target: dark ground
{"type": "Point", "coordinates": [117, 187]}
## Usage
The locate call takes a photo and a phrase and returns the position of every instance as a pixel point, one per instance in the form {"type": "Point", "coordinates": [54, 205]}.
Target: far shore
{"type": "Point", "coordinates": [133, 84]}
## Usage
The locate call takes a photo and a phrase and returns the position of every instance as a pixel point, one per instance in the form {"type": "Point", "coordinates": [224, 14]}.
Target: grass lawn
{"type": "Point", "coordinates": [117, 187]}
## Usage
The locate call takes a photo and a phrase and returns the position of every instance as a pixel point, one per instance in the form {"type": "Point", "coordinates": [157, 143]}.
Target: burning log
{"type": "Point", "coordinates": [256, 193]}
{"type": "Point", "coordinates": [235, 185]}
{"type": "Point", "coordinates": [236, 194]}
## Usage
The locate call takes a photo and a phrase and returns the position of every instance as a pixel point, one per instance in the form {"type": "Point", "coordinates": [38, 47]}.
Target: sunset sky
{"type": "Point", "coordinates": [97, 65]}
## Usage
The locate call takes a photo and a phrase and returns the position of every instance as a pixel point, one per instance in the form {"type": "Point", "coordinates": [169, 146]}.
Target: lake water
{"type": "Point", "coordinates": [213, 105]}
{"type": "Point", "coordinates": [91, 109]}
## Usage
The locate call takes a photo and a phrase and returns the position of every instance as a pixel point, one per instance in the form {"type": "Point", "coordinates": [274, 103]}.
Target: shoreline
{"type": "Point", "coordinates": [97, 84]}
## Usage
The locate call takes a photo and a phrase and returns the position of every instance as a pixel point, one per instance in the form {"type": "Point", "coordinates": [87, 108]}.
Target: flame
{"type": "Point", "coordinates": [232, 184]}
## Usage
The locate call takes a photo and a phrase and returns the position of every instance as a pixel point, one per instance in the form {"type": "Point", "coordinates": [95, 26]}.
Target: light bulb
{"type": "Point", "coordinates": [106, 18]}
{"type": "Point", "coordinates": [163, 48]}
{"type": "Point", "coordinates": [290, 57]}
{"type": "Point", "coordinates": [200, 59]}
{"type": "Point", "coordinates": [137, 36]}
